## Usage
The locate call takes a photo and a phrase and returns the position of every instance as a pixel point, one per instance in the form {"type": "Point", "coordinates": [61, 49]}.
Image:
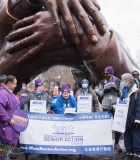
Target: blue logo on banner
{"type": "Point", "coordinates": [84, 98]}
{"type": "Point", "coordinates": [63, 129]}
{"type": "Point", "coordinates": [46, 149]}
{"type": "Point", "coordinates": [123, 102]}
{"type": "Point", "coordinates": [37, 103]}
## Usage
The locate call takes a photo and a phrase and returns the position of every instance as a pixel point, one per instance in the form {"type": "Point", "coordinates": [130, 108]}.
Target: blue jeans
{"type": "Point", "coordinates": [132, 141]}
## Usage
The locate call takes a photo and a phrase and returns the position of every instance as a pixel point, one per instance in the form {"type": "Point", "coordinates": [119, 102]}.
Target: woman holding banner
{"type": "Point", "coordinates": [8, 104]}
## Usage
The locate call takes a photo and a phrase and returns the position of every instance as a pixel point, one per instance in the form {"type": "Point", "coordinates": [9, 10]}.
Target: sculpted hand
{"type": "Point", "coordinates": [38, 30]}
{"type": "Point", "coordinates": [79, 8]}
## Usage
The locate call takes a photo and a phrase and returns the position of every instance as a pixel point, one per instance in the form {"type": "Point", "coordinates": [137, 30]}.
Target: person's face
{"type": "Point", "coordinates": [84, 85]}
{"type": "Point", "coordinates": [40, 88]}
{"type": "Point", "coordinates": [65, 95]}
{"type": "Point", "coordinates": [55, 92]}
{"type": "Point", "coordinates": [107, 75]}
{"type": "Point", "coordinates": [96, 87]}
{"type": "Point", "coordinates": [1, 84]}
{"type": "Point", "coordinates": [12, 85]}
{"type": "Point", "coordinates": [23, 85]}
{"type": "Point", "coordinates": [126, 82]}
{"type": "Point", "coordinates": [135, 75]}
{"type": "Point", "coordinates": [55, 84]}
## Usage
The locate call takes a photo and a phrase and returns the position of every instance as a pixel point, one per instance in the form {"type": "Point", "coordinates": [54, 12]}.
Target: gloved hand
{"type": "Point", "coordinates": [115, 89]}
{"type": "Point", "coordinates": [107, 90]}
{"type": "Point", "coordinates": [136, 125]}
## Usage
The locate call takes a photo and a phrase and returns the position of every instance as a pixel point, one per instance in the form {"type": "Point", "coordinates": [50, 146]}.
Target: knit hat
{"type": "Point", "coordinates": [38, 82]}
{"type": "Point", "coordinates": [3, 78]}
{"type": "Point", "coordinates": [57, 83]}
{"type": "Point", "coordinates": [84, 80]}
{"type": "Point", "coordinates": [110, 69]}
{"type": "Point", "coordinates": [134, 71]}
{"type": "Point", "coordinates": [23, 83]}
{"type": "Point", "coordinates": [65, 88]}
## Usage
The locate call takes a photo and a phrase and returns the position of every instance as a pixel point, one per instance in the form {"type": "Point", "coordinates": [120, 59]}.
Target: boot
{"type": "Point", "coordinates": [117, 148]}
{"type": "Point", "coordinates": [80, 157]}
{"type": "Point", "coordinates": [50, 156]}
{"type": "Point", "coordinates": [128, 157]}
{"type": "Point", "coordinates": [26, 156]}
{"type": "Point", "coordinates": [56, 157]}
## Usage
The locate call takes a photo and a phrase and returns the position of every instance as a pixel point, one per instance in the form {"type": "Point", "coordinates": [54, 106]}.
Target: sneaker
{"type": "Point", "coordinates": [128, 157]}
{"type": "Point", "coordinates": [117, 148]}
{"type": "Point", "coordinates": [136, 158]}
{"type": "Point", "coordinates": [11, 156]}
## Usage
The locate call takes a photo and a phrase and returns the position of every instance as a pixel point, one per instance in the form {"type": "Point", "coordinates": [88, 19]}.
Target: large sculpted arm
{"type": "Point", "coordinates": [107, 51]}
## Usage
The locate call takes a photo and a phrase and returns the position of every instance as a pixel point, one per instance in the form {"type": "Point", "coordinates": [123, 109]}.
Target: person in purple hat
{"type": "Point", "coordinates": [38, 94]}
{"type": "Point", "coordinates": [23, 94]}
{"type": "Point", "coordinates": [8, 105]}
{"type": "Point", "coordinates": [65, 101]}
{"type": "Point", "coordinates": [136, 77]}
{"type": "Point", "coordinates": [110, 90]}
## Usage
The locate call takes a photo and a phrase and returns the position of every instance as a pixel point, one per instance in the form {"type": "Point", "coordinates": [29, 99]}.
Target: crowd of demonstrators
{"type": "Point", "coordinates": [8, 104]}
{"type": "Point", "coordinates": [104, 97]}
{"type": "Point", "coordinates": [110, 94]}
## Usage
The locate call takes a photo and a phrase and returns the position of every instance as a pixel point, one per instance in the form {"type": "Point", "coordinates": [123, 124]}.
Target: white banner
{"type": "Point", "coordinates": [84, 104]}
{"type": "Point", "coordinates": [38, 106]}
{"type": "Point", "coordinates": [120, 116]}
{"type": "Point", "coordinates": [68, 134]}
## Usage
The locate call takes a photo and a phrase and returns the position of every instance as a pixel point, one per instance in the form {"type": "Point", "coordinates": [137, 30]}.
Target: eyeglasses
{"type": "Point", "coordinates": [135, 75]}
{"type": "Point", "coordinates": [14, 83]}
{"type": "Point", "coordinates": [106, 74]}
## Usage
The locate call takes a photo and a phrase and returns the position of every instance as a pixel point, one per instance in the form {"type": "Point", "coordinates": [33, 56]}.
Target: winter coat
{"type": "Point", "coordinates": [53, 102]}
{"type": "Point", "coordinates": [8, 105]}
{"type": "Point", "coordinates": [108, 103]}
{"type": "Point", "coordinates": [62, 103]}
{"type": "Point", "coordinates": [95, 102]}
{"type": "Point", "coordinates": [134, 107]}
{"type": "Point", "coordinates": [22, 94]}
{"type": "Point", "coordinates": [33, 96]}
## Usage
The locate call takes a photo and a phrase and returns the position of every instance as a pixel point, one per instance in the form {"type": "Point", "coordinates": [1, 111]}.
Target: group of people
{"type": "Point", "coordinates": [104, 98]}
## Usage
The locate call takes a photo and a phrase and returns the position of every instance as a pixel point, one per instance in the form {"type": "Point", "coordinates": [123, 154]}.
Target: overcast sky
{"type": "Point", "coordinates": [124, 17]}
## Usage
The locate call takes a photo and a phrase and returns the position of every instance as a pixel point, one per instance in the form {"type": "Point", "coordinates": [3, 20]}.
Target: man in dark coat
{"type": "Point", "coordinates": [132, 132]}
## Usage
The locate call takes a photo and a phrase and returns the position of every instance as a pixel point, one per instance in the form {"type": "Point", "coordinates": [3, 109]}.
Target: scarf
{"type": "Point", "coordinates": [126, 90]}
{"type": "Point", "coordinates": [113, 79]}
{"type": "Point", "coordinates": [85, 91]}
{"type": "Point", "coordinates": [39, 95]}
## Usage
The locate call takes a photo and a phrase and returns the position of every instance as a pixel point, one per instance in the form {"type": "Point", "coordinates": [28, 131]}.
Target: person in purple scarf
{"type": "Point", "coordinates": [109, 90]}
{"type": "Point", "coordinates": [8, 104]}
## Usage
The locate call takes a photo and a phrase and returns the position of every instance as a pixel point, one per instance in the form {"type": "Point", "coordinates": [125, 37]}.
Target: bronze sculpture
{"type": "Point", "coordinates": [39, 43]}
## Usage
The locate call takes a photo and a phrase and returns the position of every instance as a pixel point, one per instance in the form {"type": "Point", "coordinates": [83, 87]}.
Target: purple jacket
{"type": "Point", "coordinates": [8, 104]}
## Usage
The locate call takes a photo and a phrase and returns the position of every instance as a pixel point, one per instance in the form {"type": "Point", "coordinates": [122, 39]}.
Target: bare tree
{"type": "Point", "coordinates": [59, 74]}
